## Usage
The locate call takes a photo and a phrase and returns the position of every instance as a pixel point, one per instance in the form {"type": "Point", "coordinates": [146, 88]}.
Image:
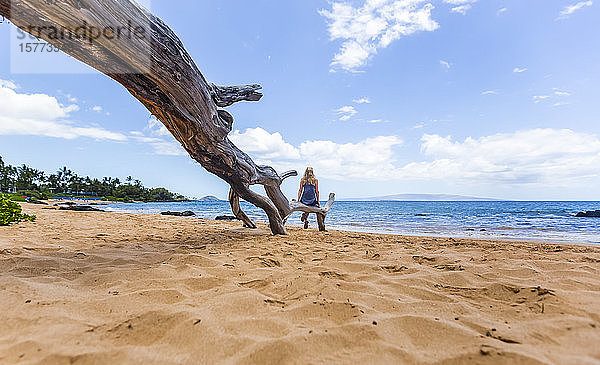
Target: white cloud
{"type": "Point", "coordinates": [557, 94]}
{"type": "Point", "coordinates": [97, 109]}
{"type": "Point", "coordinates": [159, 138]}
{"type": "Point", "coordinates": [8, 84]}
{"type": "Point", "coordinates": [166, 148]}
{"type": "Point", "coordinates": [549, 156]}
{"type": "Point", "coordinates": [264, 145]}
{"type": "Point", "coordinates": [373, 26]}
{"type": "Point", "coordinates": [156, 128]}
{"type": "Point", "coordinates": [445, 64]}
{"type": "Point", "coordinates": [561, 103]}
{"type": "Point", "coordinates": [489, 92]}
{"type": "Point", "coordinates": [346, 112]}
{"type": "Point", "coordinates": [43, 115]}
{"type": "Point", "coordinates": [461, 9]}
{"type": "Point", "coordinates": [460, 2]}
{"type": "Point", "coordinates": [519, 70]}
{"type": "Point", "coordinates": [568, 10]}
{"type": "Point", "coordinates": [367, 159]}
{"type": "Point", "coordinates": [463, 5]}
{"type": "Point", "coordinates": [501, 10]}
{"type": "Point", "coordinates": [376, 121]}
{"type": "Point", "coordinates": [364, 100]}
{"type": "Point", "coordinates": [160, 146]}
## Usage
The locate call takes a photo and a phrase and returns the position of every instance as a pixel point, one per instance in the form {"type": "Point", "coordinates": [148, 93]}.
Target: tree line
{"type": "Point", "coordinates": [66, 183]}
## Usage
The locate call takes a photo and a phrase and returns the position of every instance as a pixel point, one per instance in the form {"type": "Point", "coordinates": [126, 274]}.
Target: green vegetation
{"type": "Point", "coordinates": [26, 181]}
{"type": "Point", "coordinates": [10, 212]}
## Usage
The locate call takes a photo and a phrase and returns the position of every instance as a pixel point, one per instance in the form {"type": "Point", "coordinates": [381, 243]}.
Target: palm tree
{"type": "Point", "coordinates": [64, 177]}
{"type": "Point", "coordinates": [75, 183]}
{"type": "Point", "coordinates": [8, 176]}
{"type": "Point", "coordinates": [53, 182]}
{"type": "Point", "coordinates": [3, 176]}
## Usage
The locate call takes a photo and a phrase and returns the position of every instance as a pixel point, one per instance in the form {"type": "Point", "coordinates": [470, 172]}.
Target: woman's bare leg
{"type": "Point", "coordinates": [305, 220]}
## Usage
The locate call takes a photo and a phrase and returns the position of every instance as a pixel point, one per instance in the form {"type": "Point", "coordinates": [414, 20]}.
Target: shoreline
{"type": "Point", "coordinates": [457, 235]}
{"type": "Point", "coordinates": [398, 235]}
{"type": "Point", "coordinates": [135, 288]}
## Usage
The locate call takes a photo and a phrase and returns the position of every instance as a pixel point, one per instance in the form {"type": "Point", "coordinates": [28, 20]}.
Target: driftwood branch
{"type": "Point", "coordinates": [296, 206]}
{"type": "Point", "coordinates": [234, 201]}
{"type": "Point", "coordinates": [225, 96]}
{"type": "Point", "coordinates": [288, 174]}
{"type": "Point", "coordinates": [135, 48]}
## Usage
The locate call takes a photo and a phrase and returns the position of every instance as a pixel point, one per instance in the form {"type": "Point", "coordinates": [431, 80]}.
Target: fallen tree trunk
{"type": "Point", "coordinates": [132, 46]}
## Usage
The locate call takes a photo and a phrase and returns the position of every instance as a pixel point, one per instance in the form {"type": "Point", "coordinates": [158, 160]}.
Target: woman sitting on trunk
{"type": "Point", "coordinates": [309, 192]}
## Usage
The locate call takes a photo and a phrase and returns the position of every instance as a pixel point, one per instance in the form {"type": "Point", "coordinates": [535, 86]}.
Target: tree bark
{"type": "Point", "coordinates": [158, 71]}
{"type": "Point", "coordinates": [234, 201]}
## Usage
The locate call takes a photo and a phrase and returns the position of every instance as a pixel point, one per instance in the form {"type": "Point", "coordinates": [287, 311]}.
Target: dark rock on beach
{"type": "Point", "coordinates": [187, 213]}
{"type": "Point", "coordinates": [80, 208]}
{"type": "Point", "coordinates": [35, 201]}
{"type": "Point", "coordinates": [590, 214]}
{"type": "Point", "coordinates": [226, 218]}
{"type": "Point", "coordinates": [64, 203]}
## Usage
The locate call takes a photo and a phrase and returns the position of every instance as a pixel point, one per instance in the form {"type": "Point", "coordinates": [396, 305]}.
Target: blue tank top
{"type": "Point", "coordinates": [309, 195]}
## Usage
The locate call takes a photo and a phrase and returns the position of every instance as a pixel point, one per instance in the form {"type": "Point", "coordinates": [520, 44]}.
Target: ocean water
{"type": "Point", "coordinates": [540, 221]}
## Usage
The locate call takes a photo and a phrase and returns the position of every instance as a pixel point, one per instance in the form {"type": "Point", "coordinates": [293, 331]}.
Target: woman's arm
{"type": "Point", "coordinates": [300, 190]}
{"type": "Point", "coordinates": [317, 188]}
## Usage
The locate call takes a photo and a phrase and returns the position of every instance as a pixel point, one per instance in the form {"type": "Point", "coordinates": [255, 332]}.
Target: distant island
{"type": "Point", "coordinates": [26, 182]}
{"type": "Point", "coordinates": [209, 198]}
{"type": "Point", "coordinates": [423, 197]}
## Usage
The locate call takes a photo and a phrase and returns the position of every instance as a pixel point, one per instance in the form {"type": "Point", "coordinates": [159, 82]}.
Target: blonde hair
{"type": "Point", "coordinates": [309, 177]}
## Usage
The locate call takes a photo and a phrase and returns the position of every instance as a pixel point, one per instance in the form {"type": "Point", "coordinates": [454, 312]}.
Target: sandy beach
{"type": "Point", "coordinates": [90, 288]}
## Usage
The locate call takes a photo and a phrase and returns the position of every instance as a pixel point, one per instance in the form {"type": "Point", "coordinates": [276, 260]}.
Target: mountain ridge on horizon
{"type": "Point", "coordinates": [422, 197]}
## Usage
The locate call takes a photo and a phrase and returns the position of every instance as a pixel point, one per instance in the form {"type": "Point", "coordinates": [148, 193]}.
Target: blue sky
{"type": "Point", "coordinates": [486, 98]}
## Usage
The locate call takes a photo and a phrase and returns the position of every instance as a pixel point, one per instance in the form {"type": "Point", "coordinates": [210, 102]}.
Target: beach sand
{"type": "Point", "coordinates": [106, 288]}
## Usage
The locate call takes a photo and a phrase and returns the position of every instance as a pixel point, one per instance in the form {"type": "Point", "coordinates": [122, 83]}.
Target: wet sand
{"type": "Point", "coordinates": [89, 288]}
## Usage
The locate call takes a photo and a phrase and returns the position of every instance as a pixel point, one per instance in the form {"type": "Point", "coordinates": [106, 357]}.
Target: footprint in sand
{"type": "Point", "coordinates": [333, 275]}
{"type": "Point", "coordinates": [423, 259]}
{"type": "Point", "coordinates": [263, 261]}
{"type": "Point", "coordinates": [449, 267]}
{"type": "Point", "coordinates": [255, 284]}
{"type": "Point", "coordinates": [533, 297]}
{"type": "Point", "coordinates": [164, 296]}
{"type": "Point", "coordinates": [394, 269]}
{"type": "Point", "coordinates": [146, 329]}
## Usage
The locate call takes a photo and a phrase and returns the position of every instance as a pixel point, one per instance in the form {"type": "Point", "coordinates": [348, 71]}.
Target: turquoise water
{"type": "Point", "coordinates": [546, 221]}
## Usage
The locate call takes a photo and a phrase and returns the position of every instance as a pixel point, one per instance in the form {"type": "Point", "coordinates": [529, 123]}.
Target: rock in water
{"type": "Point", "coordinates": [187, 213]}
{"type": "Point", "coordinates": [81, 208]}
{"type": "Point", "coordinates": [226, 218]}
{"type": "Point", "coordinates": [590, 214]}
